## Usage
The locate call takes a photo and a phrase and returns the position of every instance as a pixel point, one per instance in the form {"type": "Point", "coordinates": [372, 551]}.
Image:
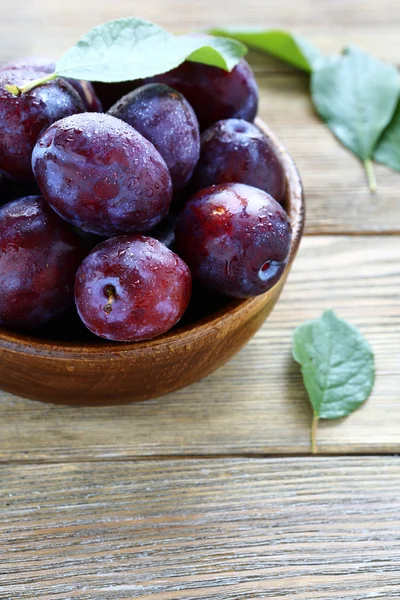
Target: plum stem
{"type": "Point", "coordinates": [314, 426]}
{"type": "Point", "coordinates": [369, 169]}
{"type": "Point", "coordinates": [110, 293]}
{"type": "Point", "coordinates": [17, 91]}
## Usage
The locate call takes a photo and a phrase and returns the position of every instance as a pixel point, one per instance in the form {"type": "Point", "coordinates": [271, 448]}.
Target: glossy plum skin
{"type": "Point", "coordinates": [165, 118]}
{"type": "Point", "coordinates": [213, 93]}
{"type": "Point", "coordinates": [45, 64]}
{"type": "Point", "coordinates": [235, 151]}
{"type": "Point", "coordinates": [39, 256]}
{"type": "Point", "coordinates": [101, 175]}
{"type": "Point", "coordinates": [23, 119]}
{"type": "Point", "coordinates": [235, 238]}
{"type": "Point", "coordinates": [132, 288]}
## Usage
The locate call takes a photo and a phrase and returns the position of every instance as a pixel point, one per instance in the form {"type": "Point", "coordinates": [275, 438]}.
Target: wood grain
{"type": "Point", "coordinates": [53, 26]}
{"type": "Point", "coordinates": [324, 529]}
{"type": "Point", "coordinates": [97, 525]}
{"type": "Point", "coordinates": [335, 184]}
{"type": "Point", "coordinates": [256, 404]}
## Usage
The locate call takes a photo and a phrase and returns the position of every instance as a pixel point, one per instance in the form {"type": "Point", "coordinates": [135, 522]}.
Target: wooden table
{"type": "Point", "coordinates": [211, 492]}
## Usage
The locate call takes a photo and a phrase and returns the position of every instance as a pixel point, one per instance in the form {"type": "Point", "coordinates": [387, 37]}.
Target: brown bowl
{"type": "Point", "coordinates": [115, 373]}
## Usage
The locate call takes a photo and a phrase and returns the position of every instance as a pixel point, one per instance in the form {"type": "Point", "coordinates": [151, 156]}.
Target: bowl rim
{"type": "Point", "coordinates": [187, 334]}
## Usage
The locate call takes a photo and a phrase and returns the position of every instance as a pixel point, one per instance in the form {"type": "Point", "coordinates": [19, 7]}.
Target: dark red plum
{"type": "Point", "coordinates": [101, 175]}
{"type": "Point", "coordinates": [39, 257]}
{"type": "Point", "coordinates": [235, 151]}
{"type": "Point", "coordinates": [132, 288]}
{"type": "Point", "coordinates": [44, 64]}
{"type": "Point", "coordinates": [164, 117]}
{"type": "Point", "coordinates": [23, 119]}
{"type": "Point", "coordinates": [235, 239]}
{"type": "Point", "coordinates": [213, 93]}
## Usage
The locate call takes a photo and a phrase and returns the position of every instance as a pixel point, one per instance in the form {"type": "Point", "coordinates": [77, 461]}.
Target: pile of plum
{"type": "Point", "coordinates": [107, 216]}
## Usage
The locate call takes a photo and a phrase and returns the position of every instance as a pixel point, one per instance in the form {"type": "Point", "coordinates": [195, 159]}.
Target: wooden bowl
{"type": "Point", "coordinates": [116, 373]}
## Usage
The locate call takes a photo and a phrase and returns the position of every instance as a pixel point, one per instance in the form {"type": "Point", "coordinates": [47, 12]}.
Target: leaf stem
{"type": "Point", "coordinates": [369, 169]}
{"type": "Point", "coordinates": [17, 91]}
{"type": "Point", "coordinates": [314, 426]}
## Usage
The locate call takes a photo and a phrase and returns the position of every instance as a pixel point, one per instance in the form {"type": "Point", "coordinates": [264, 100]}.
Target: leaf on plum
{"type": "Point", "coordinates": [130, 48]}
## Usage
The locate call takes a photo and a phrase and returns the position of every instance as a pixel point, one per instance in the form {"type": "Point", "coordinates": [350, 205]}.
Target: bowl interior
{"type": "Point", "coordinates": [76, 339]}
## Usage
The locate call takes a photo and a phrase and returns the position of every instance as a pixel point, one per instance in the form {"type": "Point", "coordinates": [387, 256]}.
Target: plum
{"type": "Point", "coordinates": [44, 64]}
{"type": "Point", "coordinates": [213, 93]}
{"type": "Point", "coordinates": [132, 288]}
{"type": "Point", "coordinates": [235, 239]}
{"type": "Point", "coordinates": [39, 257]}
{"type": "Point", "coordinates": [24, 118]}
{"type": "Point", "coordinates": [101, 175]}
{"type": "Point", "coordinates": [235, 151]}
{"type": "Point", "coordinates": [166, 119]}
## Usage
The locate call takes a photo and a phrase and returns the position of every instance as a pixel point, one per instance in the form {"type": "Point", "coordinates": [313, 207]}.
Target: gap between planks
{"type": "Point", "coordinates": [198, 457]}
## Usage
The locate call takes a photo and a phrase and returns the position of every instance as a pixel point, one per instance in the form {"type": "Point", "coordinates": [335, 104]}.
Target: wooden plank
{"type": "Point", "coordinates": [324, 529]}
{"type": "Point", "coordinates": [51, 27]}
{"type": "Point", "coordinates": [256, 404]}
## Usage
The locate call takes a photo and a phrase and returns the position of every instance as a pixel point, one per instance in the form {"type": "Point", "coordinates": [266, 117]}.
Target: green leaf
{"type": "Point", "coordinates": [293, 49]}
{"type": "Point", "coordinates": [356, 95]}
{"type": "Point", "coordinates": [130, 48]}
{"type": "Point", "coordinates": [337, 365]}
{"type": "Point", "coordinates": [388, 149]}
{"type": "Point", "coordinates": [219, 52]}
